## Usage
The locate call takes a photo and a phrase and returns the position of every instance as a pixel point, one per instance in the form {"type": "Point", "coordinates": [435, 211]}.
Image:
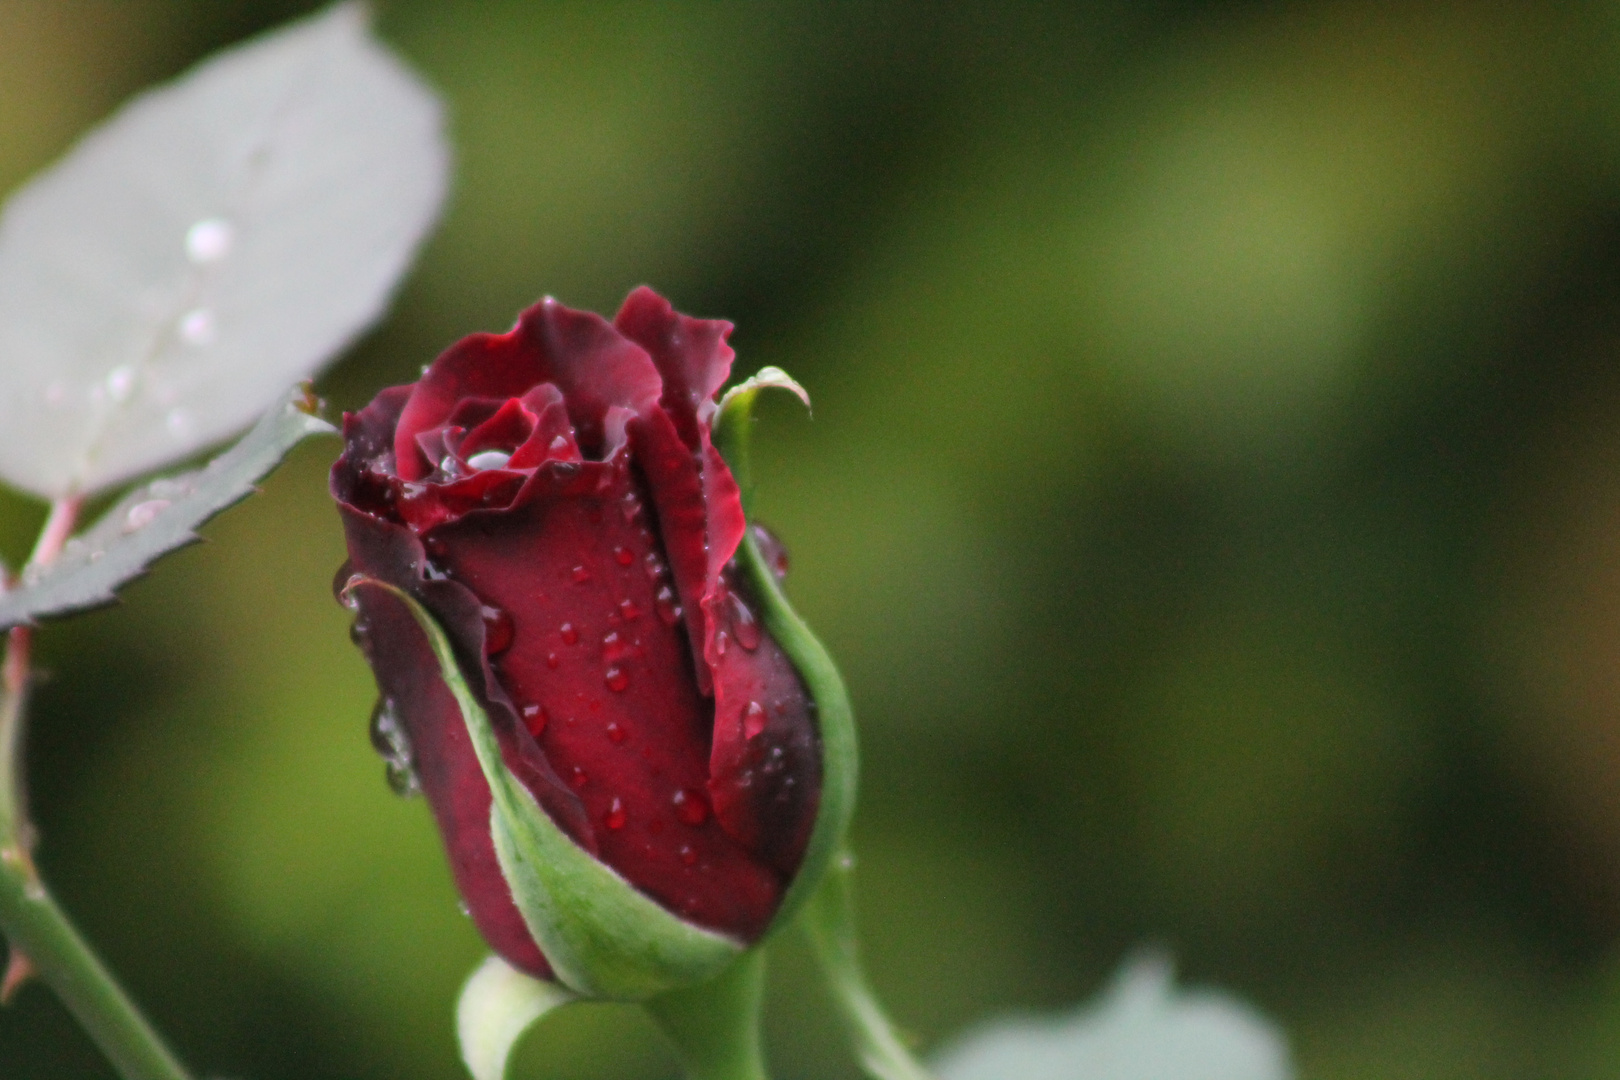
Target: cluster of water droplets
{"type": "Point", "coordinates": [389, 740]}
{"type": "Point", "coordinates": [206, 243]}
{"type": "Point", "coordinates": [388, 736]}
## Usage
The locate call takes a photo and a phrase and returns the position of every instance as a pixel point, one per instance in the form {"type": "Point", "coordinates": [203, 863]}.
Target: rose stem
{"type": "Point", "coordinates": [40, 934]}
{"type": "Point", "coordinates": [828, 919]}
{"type": "Point", "coordinates": [715, 1026]}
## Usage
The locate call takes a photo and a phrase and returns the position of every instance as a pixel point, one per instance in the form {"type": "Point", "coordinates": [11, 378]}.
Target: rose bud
{"type": "Point", "coordinates": [637, 757]}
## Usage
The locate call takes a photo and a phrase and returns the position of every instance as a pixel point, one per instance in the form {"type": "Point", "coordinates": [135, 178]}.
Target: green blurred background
{"type": "Point", "coordinates": [1213, 496]}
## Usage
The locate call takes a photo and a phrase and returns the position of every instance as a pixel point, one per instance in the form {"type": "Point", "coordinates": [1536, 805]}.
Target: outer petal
{"type": "Point", "coordinates": [446, 768]}
{"type": "Point", "coordinates": [765, 764]}
{"type": "Point", "coordinates": [692, 357]}
{"type": "Point", "coordinates": [693, 361]}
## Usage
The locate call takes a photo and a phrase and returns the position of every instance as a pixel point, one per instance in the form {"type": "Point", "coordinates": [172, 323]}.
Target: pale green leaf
{"type": "Point", "coordinates": [217, 239]}
{"type": "Point", "coordinates": [1140, 1028]}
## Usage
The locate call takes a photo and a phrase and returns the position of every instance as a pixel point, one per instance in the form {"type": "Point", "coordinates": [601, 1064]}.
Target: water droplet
{"type": "Point", "coordinates": [616, 734]}
{"type": "Point", "coordinates": [178, 421]}
{"type": "Point", "coordinates": [846, 861]}
{"type": "Point", "coordinates": [402, 781]}
{"type": "Point", "coordinates": [488, 459]}
{"type": "Point", "coordinates": [570, 635]}
{"type": "Point", "coordinates": [744, 627]}
{"type": "Point", "coordinates": [559, 443]}
{"type": "Point", "coordinates": [616, 679]}
{"type": "Point", "coordinates": [630, 508]}
{"type": "Point", "coordinates": [197, 327]}
{"type": "Point", "coordinates": [581, 574]}
{"type": "Point", "coordinates": [386, 736]}
{"type": "Point", "coordinates": [623, 556]}
{"type": "Point", "coordinates": [664, 603]}
{"type": "Point", "coordinates": [691, 807]}
{"type": "Point", "coordinates": [615, 817]}
{"type": "Point", "coordinates": [753, 719]}
{"type": "Point", "coordinates": [121, 382]}
{"type": "Point", "coordinates": [343, 583]}
{"type": "Point", "coordinates": [389, 740]}
{"type": "Point", "coordinates": [340, 580]}
{"type": "Point", "coordinates": [655, 565]}
{"type": "Point", "coordinates": [358, 630]}
{"type": "Point", "coordinates": [771, 549]}
{"type": "Point", "coordinates": [435, 546]}
{"type": "Point", "coordinates": [461, 906]}
{"type": "Point", "coordinates": [209, 240]}
{"type": "Point", "coordinates": [688, 856]}
{"type": "Point", "coordinates": [628, 609]}
{"type": "Point", "coordinates": [143, 514]}
{"type": "Point", "coordinates": [721, 640]}
{"type": "Point", "coordinates": [577, 778]}
{"type": "Point", "coordinates": [552, 661]}
{"type": "Point", "coordinates": [498, 630]}
{"type": "Point", "coordinates": [535, 718]}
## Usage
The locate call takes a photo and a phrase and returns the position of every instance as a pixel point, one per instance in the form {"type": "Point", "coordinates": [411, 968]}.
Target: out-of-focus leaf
{"type": "Point", "coordinates": [156, 518]}
{"type": "Point", "coordinates": [217, 239]}
{"type": "Point", "coordinates": [1141, 1028]}
{"type": "Point", "coordinates": [498, 1004]}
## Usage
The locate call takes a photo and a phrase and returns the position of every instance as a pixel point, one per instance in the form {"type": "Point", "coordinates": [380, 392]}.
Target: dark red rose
{"type": "Point", "coordinates": [552, 497]}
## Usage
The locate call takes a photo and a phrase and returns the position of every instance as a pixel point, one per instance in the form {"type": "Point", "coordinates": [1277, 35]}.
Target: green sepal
{"type": "Point", "coordinates": [829, 922]}
{"type": "Point", "coordinates": [602, 937]}
{"type": "Point", "coordinates": [840, 762]}
{"type": "Point", "coordinates": [734, 421]}
{"type": "Point", "coordinates": [498, 1004]}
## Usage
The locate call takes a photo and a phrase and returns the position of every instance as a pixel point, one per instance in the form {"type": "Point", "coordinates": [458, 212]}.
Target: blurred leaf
{"type": "Point", "coordinates": [219, 238]}
{"type": "Point", "coordinates": [156, 518]}
{"type": "Point", "coordinates": [1141, 1029]}
{"type": "Point", "coordinates": [498, 1004]}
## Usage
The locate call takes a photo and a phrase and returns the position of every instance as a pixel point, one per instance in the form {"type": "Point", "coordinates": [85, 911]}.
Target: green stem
{"type": "Point", "coordinates": [31, 920]}
{"type": "Point", "coordinates": [40, 934]}
{"type": "Point", "coordinates": [829, 920]}
{"type": "Point", "coordinates": [715, 1026]}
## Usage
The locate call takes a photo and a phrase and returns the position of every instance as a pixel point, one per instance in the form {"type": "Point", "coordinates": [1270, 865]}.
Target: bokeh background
{"type": "Point", "coordinates": [1213, 496]}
